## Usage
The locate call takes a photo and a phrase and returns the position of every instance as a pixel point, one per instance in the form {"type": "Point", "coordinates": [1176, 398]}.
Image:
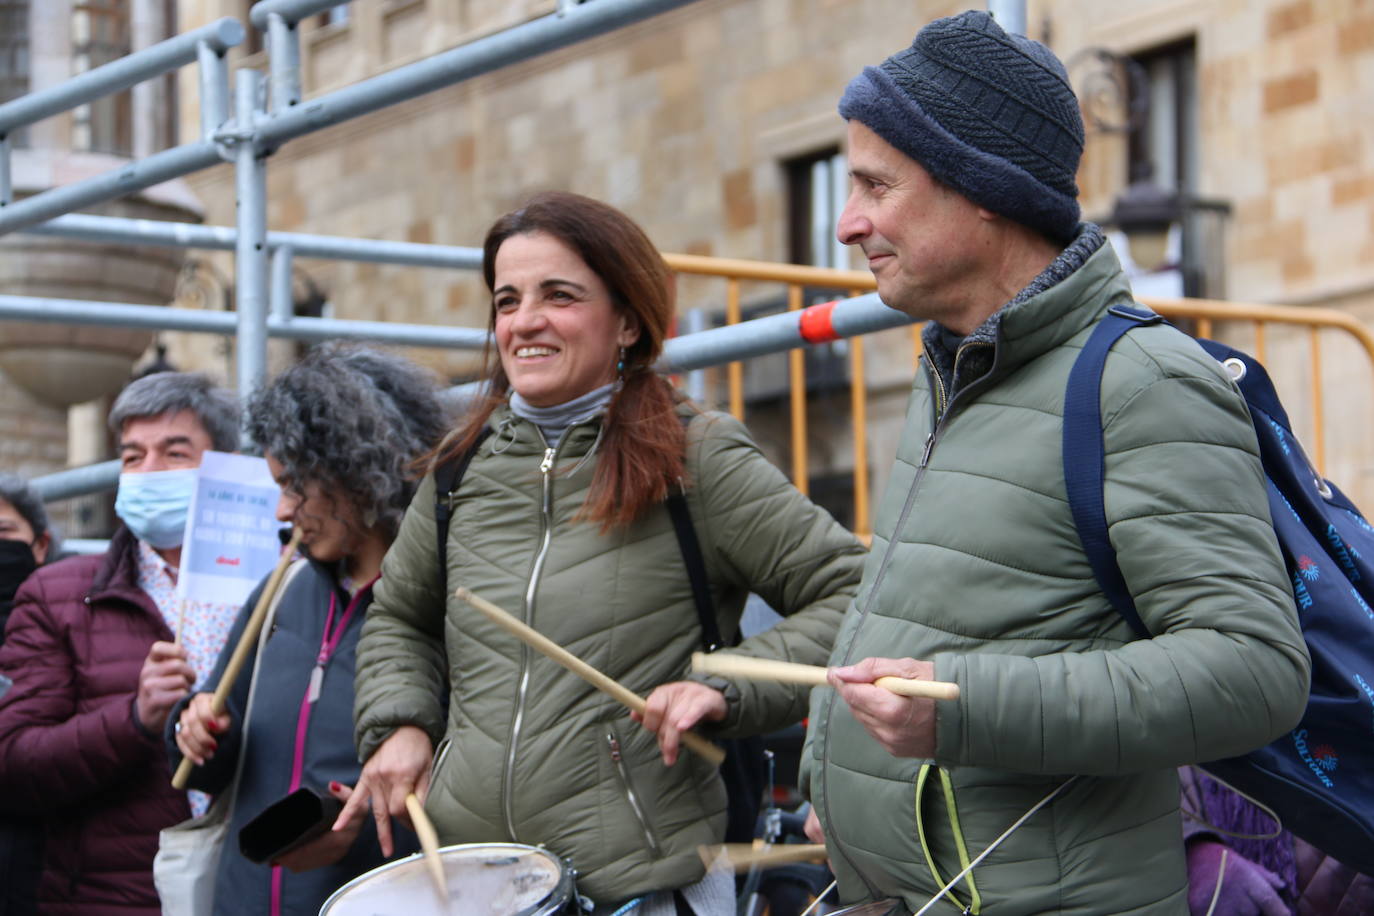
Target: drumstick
{"type": "Point", "coordinates": [429, 843]}
{"type": "Point", "coordinates": [764, 669]}
{"type": "Point", "coordinates": [248, 642]}
{"type": "Point", "coordinates": [743, 856]}
{"type": "Point", "coordinates": [536, 640]}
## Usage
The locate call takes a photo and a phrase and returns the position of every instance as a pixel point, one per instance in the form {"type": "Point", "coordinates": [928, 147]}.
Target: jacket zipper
{"type": "Point", "coordinates": [546, 524]}
{"type": "Point", "coordinates": [624, 773]}
{"type": "Point", "coordinates": [939, 409]}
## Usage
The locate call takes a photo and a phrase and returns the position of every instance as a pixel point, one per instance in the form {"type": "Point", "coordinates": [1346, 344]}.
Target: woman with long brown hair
{"type": "Point", "coordinates": [560, 518]}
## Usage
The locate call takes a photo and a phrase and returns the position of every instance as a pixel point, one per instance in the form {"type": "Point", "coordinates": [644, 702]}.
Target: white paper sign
{"type": "Point", "coordinates": [231, 538]}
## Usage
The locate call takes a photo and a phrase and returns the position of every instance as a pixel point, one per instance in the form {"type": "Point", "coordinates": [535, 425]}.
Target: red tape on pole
{"type": "Point", "coordinates": [815, 323]}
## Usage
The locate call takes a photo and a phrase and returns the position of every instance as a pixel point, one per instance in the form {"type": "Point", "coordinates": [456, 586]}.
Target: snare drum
{"type": "Point", "coordinates": [484, 879]}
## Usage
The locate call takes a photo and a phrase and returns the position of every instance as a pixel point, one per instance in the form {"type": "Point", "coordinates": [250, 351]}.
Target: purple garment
{"type": "Point", "coordinates": [1207, 804]}
{"type": "Point", "coordinates": [1328, 888]}
{"type": "Point", "coordinates": [1312, 882]}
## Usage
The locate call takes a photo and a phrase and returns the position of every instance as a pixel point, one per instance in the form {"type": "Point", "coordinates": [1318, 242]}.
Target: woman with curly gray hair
{"type": "Point", "coordinates": [340, 431]}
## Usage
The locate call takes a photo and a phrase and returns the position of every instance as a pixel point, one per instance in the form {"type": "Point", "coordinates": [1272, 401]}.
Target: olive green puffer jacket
{"type": "Point", "coordinates": [977, 566]}
{"type": "Point", "coordinates": [535, 755]}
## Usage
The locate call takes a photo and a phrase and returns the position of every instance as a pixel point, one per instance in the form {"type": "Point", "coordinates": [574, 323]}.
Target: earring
{"type": "Point", "coordinates": [620, 364]}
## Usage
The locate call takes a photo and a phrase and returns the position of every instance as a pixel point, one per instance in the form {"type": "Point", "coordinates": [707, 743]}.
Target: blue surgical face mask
{"type": "Point", "coordinates": [154, 505]}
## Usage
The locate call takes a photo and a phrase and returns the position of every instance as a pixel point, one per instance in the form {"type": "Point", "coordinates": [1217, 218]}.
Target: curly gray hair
{"type": "Point", "coordinates": [172, 392]}
{"type": "Point", "coordinates": [354, 420]}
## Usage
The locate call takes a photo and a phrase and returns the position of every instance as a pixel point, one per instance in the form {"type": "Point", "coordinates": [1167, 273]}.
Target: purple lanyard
{"type": "Point", "coordinates": [328, 644]}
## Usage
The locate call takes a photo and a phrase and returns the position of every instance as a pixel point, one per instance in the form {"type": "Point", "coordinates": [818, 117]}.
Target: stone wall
{"type": "Point", "coordinates": [684, 121]}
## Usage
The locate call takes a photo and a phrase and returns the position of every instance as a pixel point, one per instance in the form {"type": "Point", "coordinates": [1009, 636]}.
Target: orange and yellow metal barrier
{"type": "Point", "coordinates": [815, 325]}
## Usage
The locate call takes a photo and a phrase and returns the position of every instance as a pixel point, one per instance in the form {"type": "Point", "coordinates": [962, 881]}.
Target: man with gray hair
{"type": "Point", "coordinates": [963, 149]}
{"type": "Point", "coordinates": [80, 730]}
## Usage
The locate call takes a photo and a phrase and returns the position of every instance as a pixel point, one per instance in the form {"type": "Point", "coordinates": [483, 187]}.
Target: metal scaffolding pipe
{"type": "Point", "coordinates": [119, 74]}
{"type": "Point", "coordinates": [280, 304]}
{"type": "Point", "coordinates": [250, 253]}
{"type": "Point", "coordinates": [112, 229]}
{"type": "Point", "coordinates": [127, 179]}
{"type": "Point", "coordinates": [785, 331]}
{"type": "Point", "coordinates": [92, 478]}
{"type": "Point", "coordinates": [291, 11]}
{"type": "Point", "coordinates": [513, 45]}
{"type": "Point", "coordinates": [164, 318]}
{"type": "Point", "coordinates": [214, 89]}
{"type": "Point", "coordinates": [1010, 15]}
{"type": "Point", "coordinates": [484, 55]}
{"type": "Point", "coordinates": [284, 56]}
{"type": "Point", "coordinates": [6, 182]}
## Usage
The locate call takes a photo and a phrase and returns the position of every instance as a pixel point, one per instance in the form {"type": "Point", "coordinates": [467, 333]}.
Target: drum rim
{"type": "Point", "coordinates": [564, 885]}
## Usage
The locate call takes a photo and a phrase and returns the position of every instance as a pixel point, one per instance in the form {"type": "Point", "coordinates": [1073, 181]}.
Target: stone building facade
{"type": "Point", "coordinates": [714, 126]}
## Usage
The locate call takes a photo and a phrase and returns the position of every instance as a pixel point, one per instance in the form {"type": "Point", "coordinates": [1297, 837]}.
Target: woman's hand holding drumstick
{"type": "Point", "coordinates": [626, 697]}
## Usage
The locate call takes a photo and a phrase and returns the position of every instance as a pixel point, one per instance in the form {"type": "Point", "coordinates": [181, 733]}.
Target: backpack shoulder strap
{"type": "Point", "coordinates": [1085, 456]}
{"type": "Point", "coordinates": [692, 558]}
{"type": "Point", "coordinates": [696, 568]}
{"type": "Point", "coordinates": [448, 477]}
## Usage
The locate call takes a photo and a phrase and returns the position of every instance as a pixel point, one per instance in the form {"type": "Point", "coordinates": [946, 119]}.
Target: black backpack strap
{"type": "Point", "coordinates": [448, 477]}
{"type": "Point", "coordinates": [696, 569]}
{"type": "Point", "coordinates": [1085, 456]}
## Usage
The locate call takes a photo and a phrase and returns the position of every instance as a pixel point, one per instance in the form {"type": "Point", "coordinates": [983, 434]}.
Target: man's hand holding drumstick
{"type": "Point", "coordinates": [903, 725]}
{"type": "Point", "coordinates": [893, 698]}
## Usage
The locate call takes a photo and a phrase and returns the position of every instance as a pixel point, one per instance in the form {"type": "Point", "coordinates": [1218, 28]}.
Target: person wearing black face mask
{"type": "Point", "coordinates": [25, 543]}
{"type": "Point", "coordinates": [79, 739]}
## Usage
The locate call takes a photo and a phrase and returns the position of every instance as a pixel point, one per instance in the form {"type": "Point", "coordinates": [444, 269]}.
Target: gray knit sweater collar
{"type": "Point", "coordinates": [554, 421]}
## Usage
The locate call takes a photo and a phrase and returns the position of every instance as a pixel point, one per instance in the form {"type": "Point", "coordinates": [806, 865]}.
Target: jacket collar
{"type": "Point", "coordinates": [117, 575]}
{"type": "Point", "coordinates": [515, 435]}
{"type": "Point", "coordinates": [1069, 295]}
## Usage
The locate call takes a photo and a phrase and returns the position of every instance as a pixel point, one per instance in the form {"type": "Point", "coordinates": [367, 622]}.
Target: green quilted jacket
{"type": "Point", "coordinates": [530, 753]}
{"type": "Point", "coordinates": [977, 566]}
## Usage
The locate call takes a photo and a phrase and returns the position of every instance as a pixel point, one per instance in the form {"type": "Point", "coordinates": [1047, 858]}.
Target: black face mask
{"type": "Point", "coordinates": [16, 563]}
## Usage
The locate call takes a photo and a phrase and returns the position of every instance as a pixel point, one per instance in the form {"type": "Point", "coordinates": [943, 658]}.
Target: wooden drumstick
{"type": "Point", "coordinates": [429, 843]}
{"type": "Point", "coordinates": [764, 669]}
{"type": "Point", "coordinates": [623, 695]}
{"type": "Point", "coordinates": [248, 643]}
{"type": "Point", "coordinates": [744, 856]}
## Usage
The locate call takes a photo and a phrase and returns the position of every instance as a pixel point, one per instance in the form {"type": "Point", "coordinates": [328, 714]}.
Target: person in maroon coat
{"type": "Point", "coordinates": [80, 744]}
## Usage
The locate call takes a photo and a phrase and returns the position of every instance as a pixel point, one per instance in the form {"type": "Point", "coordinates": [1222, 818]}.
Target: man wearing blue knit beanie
{"type": "Point", "coordinates": [963, 150]}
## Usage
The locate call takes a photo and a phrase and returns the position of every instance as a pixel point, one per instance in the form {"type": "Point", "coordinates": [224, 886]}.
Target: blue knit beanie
{"type": "Point", "coordinates": [989, 114]}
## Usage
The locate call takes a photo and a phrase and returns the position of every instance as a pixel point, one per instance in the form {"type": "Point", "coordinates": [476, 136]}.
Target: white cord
{"type": "Point", "coordinates": [993, 845]}
{"type": "Point", "coordinates": [819, 897]}
{"type": "Point", "coordinates": [1221, 872]}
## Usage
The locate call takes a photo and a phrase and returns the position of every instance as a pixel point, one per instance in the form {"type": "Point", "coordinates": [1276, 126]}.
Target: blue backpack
{"type": "Point", "coordinates": [1319, 778]}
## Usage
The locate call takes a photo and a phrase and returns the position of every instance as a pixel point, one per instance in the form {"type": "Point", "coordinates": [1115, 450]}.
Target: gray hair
{"type": "Point", "coordinates": [354, 420]}
{"type": "Point", "coordinates": [172, 392]}
{"type": "Point", "coordinates": [16, 491]}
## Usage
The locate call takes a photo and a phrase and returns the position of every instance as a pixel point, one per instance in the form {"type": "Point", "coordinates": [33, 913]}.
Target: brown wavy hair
{"type": "Point", "coordinates": [643, 442]}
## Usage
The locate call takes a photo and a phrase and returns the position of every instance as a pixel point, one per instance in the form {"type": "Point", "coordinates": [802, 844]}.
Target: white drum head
{"type": "Point", "coordinates": [498, 879]}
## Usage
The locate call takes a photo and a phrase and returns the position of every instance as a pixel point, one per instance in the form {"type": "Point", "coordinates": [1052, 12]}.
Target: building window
{"type": "Point", "coordinates": [335, 15]}
{"type": "Point", "coordinates": [14, 55]}
{"type": "Point", "coordinates": [1164, 148]}
{"type": "Point", "coordinates": [100, 34]}
{"type": "Point", "coordinates": [816, 188]}
{"type": "Point", "coordinates": [169, 128]}
{"type": "Point", "coordinates": [14, 49]}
